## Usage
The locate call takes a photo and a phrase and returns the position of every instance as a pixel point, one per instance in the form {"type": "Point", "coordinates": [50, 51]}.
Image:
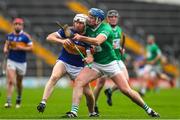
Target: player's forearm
{"type": "Point", "coordinates": [28, 49]}
{"type": "Point", "coordinates": [57, 40]}
{"type": "Point", "coordinates": [154, 60]}
{"type": "Point", "coordinates": [90, 40]}
{"type": "Point", "coordinates": [53, 38]}
{"type": "Point", "coordinates": [6, 47]}
{"type": "Point", "coordinates": [157, 58]}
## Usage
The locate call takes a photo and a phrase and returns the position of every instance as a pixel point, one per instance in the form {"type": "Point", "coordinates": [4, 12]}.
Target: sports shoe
{"type": "Point", "coordinates": [96, 109]}
{"type": "Point", "coordinates": [153, 114]}
{"type": "Point", "coordinates": [108, 94]}
{"type": "Point", "coordinates": [94, 114]}
{"type": "Point", "coordinates": [70, 115]}
{"type": "Point", "coordinates": [7, 105]}
{"type": "Point", "coordinates": [41, 107]}
{"type": "Point", "coordinates": [18, 103]}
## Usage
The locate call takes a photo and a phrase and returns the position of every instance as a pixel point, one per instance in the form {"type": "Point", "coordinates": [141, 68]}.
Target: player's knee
{"type": "Point", "coordinates": [54, 78]}
{"type": "Point", "coordinates": [79, 82]}
{"type": "Point", "coordinates": [125, 90]}
{"type": "Point", "coordinates": [10, 82]}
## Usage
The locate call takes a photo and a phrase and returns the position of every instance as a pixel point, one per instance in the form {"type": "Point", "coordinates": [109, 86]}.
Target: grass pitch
{"type": "Point", "coordinates": [165, 102]}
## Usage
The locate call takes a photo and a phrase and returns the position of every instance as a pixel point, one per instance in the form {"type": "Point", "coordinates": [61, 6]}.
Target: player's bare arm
{"type": "Point", "coordinates": [24, 48]}
{"type": "Point", "coordinates": [89, 59]}
{"type": "Point", "coordinates": [158, 57]}
{"type": "Point", "coordinates": [94, 41]}
{"type": "Point", "coordinates": [53, 37]}
{"type": "Point", "coordinates": [6, 47]}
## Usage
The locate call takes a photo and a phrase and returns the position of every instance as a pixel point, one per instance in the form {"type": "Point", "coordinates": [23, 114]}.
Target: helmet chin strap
{"type": "Point", "coordinates": [84, 31]}
{"type": "Point", "coordinates": [97, 20]}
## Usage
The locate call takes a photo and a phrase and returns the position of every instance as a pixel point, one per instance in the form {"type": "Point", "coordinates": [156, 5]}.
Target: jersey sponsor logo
{"type": "Point", "coordinates": [14, 44]}
{"type": "Point", "coordinates": [116, 43]}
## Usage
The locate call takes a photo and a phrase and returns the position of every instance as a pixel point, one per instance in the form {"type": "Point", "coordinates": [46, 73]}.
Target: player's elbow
{"type": "Point", "coordinates": [30, 48]}
{"type": "Point", "coordinates": [49, 38]}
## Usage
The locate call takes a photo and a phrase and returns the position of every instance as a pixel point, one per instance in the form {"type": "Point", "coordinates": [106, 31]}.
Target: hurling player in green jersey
{"type": "Point", "coordinates": [153, 67]}
{"type": "Point", "coordinates": [112, 19]}
{"type": "Point", "coordinates": [105, 63]}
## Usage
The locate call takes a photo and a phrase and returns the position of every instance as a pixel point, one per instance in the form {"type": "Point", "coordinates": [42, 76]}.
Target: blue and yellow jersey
{"type": "Point", "coordinates": [22, 39]}
{"type": "Point", "coordinates": [69, 54]}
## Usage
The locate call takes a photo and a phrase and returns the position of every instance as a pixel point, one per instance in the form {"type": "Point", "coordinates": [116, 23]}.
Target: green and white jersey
{"type": "Point", "coordinates": [116, 41]}
{"type": "Point", "coordinates": [104, 53]}
{"type": "Point", "coordinates": [152, 51]}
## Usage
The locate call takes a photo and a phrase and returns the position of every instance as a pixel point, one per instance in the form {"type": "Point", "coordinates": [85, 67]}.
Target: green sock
{"type": "Point", "coordinates": [74, 109]}
{"type": "Point", "coordinates": [147, 108]}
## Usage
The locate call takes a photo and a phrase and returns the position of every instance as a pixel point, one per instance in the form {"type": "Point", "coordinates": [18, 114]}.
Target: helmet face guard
{"type": "Point", "coordinates": [112, 13]}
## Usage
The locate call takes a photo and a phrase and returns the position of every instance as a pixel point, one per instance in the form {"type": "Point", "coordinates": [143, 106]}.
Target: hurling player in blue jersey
{"type": "Point", "coordinates": [69, 61]}
{"type": "Point", "coordinates": [17, 44]}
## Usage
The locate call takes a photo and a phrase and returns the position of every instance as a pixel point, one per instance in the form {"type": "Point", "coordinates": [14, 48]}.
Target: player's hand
{"type": "Point", "coordinates": [89, 59]}
{"type": "Point", "coordinates": [77, 36]}
{"type": "Point", "coordinates": [5, 50]}
{"type": "Point", "coordinates": [122, 51]}
{"type": "Point", "coordinates": [67, 42]}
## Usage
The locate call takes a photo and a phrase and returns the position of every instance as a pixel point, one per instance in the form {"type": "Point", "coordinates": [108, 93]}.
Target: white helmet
{"type": "Point", "coordinates": [80, 18]}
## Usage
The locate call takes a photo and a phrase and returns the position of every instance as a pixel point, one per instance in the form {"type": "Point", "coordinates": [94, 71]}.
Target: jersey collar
{"type": "Point", "coordinates": [115, 28]}
{"type": "Point", "coordinates": [19, 32]}
{"type": "Point", "coordinates": [94, 29]}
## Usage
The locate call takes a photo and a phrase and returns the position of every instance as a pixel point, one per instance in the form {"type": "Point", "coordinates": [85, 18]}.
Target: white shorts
{"type": "Point", "coordinates": [153, 70]}
{"type": "Point", "coordinates": [140, 72]}
{"type": "Point", "coordinates": [110, 69]}
{"type": "Point", "coordinates": [121, 64]}
{"type": "Point", "coordinates": [71, 70]}
{"type": "Point", "coordinates": [20, 68]}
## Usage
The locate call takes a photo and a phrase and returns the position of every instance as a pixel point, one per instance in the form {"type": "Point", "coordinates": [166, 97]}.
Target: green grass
{"type": "Point", "coordinates": [166, 102]}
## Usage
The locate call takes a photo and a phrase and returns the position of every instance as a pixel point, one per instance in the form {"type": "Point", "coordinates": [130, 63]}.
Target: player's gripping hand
{"type": "Point", "coordinates": [122, 51]}
{"type": "Point", "coordinates": [89, 59]}
{"type": "Point", "coordinates": [77, 36]}
{"type": "Point", "coordinates": [67, 42]}
{"type": "Point", "coordinates": [71, 48]}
